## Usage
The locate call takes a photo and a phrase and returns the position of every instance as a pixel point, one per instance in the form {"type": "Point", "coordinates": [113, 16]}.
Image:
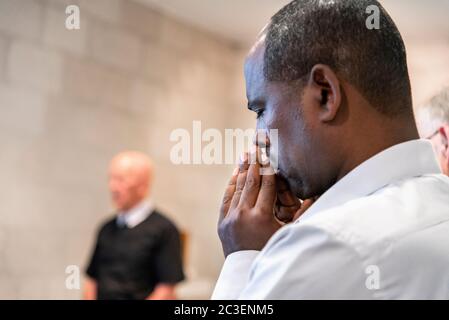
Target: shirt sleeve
{"type": "Point", "coordinates": [302, 262]}
{"type": "Point", "coordinates": [168, 259]}
{"type": "Point", "coordinates": [234, 275]}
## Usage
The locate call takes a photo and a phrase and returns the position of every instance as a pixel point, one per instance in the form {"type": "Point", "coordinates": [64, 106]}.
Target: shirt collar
{"type": "Point", "coordinates": [137, 214]}
{"type": "Point", "coordinates": [405, 160]}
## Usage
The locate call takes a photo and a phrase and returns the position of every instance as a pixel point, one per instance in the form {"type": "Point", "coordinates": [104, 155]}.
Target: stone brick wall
{"type": "Point", "coordinates": [69, 100]}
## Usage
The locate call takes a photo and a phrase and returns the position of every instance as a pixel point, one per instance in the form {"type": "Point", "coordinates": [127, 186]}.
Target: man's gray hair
{"type": "Point", "coordinates": [434, 113]}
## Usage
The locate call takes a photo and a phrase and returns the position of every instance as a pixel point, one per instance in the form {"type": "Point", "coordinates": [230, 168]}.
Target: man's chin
{"type": "Point", "coordinates": [300, 189]}
{"type": "Point", "coordinates": [295, 184]}
{"type": "Point", "coordinates": [119, 207]}
{"type": "Point", "coordinates": [299, 192]}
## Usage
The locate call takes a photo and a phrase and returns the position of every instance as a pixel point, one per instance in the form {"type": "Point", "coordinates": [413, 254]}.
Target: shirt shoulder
{"type": "Point", "coordinates": [107, 224]}
{"type": "Point", "coordinates": [405, 223]}
{"type": "Point", "coordinates": [389, 214]}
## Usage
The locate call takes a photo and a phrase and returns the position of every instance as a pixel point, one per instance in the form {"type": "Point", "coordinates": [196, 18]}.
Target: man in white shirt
{"type": "Point", "coordinates": [376, 222]}
{"type": "Point", "coordinates": [433, 124]}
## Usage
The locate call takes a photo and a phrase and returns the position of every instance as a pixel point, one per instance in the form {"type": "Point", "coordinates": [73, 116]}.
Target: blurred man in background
{"type": "Point", "coordinates": [137, 254]}
{"type": "Point", "coordinates": [433, 122]}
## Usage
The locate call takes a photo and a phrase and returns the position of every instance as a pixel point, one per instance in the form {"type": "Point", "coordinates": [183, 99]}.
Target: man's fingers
{"type": "Point", "coordinates": [229, 193]}
{"type": "Point", "coordinates": [262, 139]}
{"type": "Point", "coordinates": [252, 185]}
{"type": "Point", "coordinates": [289, 214]}
{"type": "Point", "coordinates": [306, 204]}
{"type": "Point", "coordinates": [285, 214]}
{"type": "Point", "coordinates": [285, 196]}
{"type": "Point", "coordinates": [267, 192]}
{"type": "Point", "coordinates": [241, 180]}
{"type": "Point", "coordinates": [286, 203]}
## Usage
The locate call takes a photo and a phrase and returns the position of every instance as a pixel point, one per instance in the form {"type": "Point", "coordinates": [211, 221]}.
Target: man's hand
{"type": "Point", "coordinates": [247, 218]}
{"type": "Point", "coordinates": [255, 206]}
{"type": "Point", "coordinates": [90, 289]}
{"type": "Point", "coordinates": [163, 292]}
{"type": "Point", "coordinates": [288, 208]}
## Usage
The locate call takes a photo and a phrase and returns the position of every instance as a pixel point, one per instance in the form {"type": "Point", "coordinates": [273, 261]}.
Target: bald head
{"type": "Point", "coordinates": [433, 123]}
{"type": "Point", "coordinates": [130, 177]}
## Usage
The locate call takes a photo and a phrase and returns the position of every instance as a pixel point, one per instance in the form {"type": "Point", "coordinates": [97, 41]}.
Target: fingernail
{"type": "Point", "coordinates": [253, 149]}
{"type": "Point", "coordinates": [243, 157]}
{"type": "Point", "coordinates": [235, 172]}
{"type": "Point", "coordinates": [262, 138]}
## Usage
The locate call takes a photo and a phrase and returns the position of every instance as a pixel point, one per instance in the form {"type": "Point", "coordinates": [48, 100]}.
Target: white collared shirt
{"type": "Point", "coordinates": [137, 214]}
{"type": "Point", "coordinates": [381, 232]}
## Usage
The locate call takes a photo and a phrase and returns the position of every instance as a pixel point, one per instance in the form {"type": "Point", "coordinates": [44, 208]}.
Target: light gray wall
{"type": "Point", "coordinates": [69, 100]}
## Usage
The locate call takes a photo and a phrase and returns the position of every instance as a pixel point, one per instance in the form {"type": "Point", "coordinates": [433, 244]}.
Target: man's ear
{"type": "Point", "coordinates": [326, 90]}
{"type": "Point", "coordinates": [444, 148]}
{"type": "Point", "coordinates": [444, 133]}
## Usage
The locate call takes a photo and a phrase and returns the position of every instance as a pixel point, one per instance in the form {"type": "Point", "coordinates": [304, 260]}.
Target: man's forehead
{"type": "Point", "coordinates": [254, 59]}
{"type": "Point", "coordinates": [258, 49]}
{"type": "Point", "coordinates": [254, 72]}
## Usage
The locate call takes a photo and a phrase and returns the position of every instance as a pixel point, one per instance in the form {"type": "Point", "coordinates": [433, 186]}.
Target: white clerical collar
{"type": "Point", "coordinates": [405, 160]}
{"type": "Point", "coordinates": [137, 214]}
